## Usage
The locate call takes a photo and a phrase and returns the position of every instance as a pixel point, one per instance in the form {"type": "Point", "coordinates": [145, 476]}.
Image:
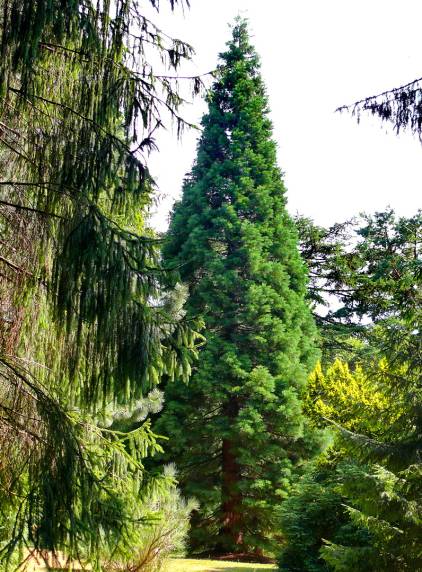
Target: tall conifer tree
{"type": "Point", "coordinates": [237, 429]}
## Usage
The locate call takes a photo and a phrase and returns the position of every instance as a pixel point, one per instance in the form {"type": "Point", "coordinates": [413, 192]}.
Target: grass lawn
{"type": "Point", "coordinates": [187, 565]}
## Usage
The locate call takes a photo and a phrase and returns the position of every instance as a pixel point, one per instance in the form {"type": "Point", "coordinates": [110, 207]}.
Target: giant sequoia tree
{"type": "Point", "coordinates": [237, 429]}
{"type": "Point", "coordinates": [84, 332]}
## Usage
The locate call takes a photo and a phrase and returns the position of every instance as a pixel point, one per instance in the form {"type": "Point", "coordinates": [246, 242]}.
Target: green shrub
{"type": "Point", "coordinates": [313, 515]}
{"type": "Point", "coordinates": [163, 531]}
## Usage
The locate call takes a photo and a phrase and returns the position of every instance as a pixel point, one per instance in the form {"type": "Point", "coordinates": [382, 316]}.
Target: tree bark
{"type": "Point", "coordinates": [231, 510]}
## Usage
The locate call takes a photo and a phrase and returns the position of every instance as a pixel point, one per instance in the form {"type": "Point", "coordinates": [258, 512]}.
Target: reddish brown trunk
{"type": "Point", "coordinates": [231, 517]}
{"type": "Point", "coordinates": [231, 521]}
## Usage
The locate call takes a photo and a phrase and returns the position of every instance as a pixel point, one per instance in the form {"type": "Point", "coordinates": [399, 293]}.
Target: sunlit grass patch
{"type": "Point", "coordinates": [188, 565]}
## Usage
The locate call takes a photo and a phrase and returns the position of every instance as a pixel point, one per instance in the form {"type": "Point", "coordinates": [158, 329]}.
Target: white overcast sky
{"type": "Point", "coordinates": [316, 55]}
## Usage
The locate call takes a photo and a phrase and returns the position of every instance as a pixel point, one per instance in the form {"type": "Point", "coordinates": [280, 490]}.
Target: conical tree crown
{"type": "Point", "coordinates": [236, 247]}
{"type": "Point", "coordinates": [231, 231]}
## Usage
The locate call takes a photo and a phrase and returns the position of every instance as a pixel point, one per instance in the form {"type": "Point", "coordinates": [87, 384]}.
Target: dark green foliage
{"type": "Point", "coordinates": [387, 501]}
{"type": "Point", "coordinates": [330, 262]}
{"type": "Point", "coordinates": [387, 288]}
{"type": "Point", "coordinates": [370, 266]}
{"type": "Point", "coordinates": [238, 430]}
{"type": "Point", "coordinates": [371, 485]}
{"type": "Point", "coordinates": [84, 324]}
{"type": "Point", "coordinates": [315, 513]}
{"type": "Point", "coordinates": [124, 336]}
{"type": "Point", "coordinates": [387, 506]}
{"type": "Point", "coordinates": [376, 473]}
{"type": "Point", "coordinates": [400, 106]}
{"type": "Point", "coordinates": [65, 482]}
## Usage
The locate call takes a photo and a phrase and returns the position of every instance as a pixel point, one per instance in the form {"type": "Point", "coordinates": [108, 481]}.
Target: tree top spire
{"type": "Point", "coordinates": [239, 46]}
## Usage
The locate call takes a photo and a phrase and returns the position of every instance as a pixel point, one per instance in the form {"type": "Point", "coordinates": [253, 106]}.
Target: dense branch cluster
{"type": "Point", "coordinates": [84, 325]}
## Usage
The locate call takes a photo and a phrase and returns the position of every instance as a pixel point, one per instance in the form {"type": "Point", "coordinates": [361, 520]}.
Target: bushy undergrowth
{"type": "Point", "coordinates": [313, 515]}
{"type": "Point", "coordinates": [164, 531]}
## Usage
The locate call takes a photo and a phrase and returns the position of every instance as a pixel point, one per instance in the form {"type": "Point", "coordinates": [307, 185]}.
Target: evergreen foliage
{"type": "Point", "coordinates": [370, 264]}
{"type": "Point", "coordinates": [164, 530]}
{"type": "Point", "coordinates": [372, 481]}
{"type": "Point", "coordinates": [84, 326]}
{"type": "Point", "coordinates": [361, 271]}
{"type": "Point", "coordinates": [387, 501]}
{"type": "Point", "coordinates": [390, 290]}
{"type": "Point", "coordinates": [315, 513]}
{"type": "Point", "coordinates": [351, 398]}
{"type": "Point", "coordinates": [401, 107]}
{"type": "Point", "coordinates": [238, 428]}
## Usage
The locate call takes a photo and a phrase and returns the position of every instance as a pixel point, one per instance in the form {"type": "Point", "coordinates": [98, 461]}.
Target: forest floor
{"type": "Point", "coordinates": [187, 565]}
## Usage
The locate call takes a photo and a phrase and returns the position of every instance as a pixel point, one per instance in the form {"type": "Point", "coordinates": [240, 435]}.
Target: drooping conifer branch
{"type": "Point", "coordinates": [79, 108]}
{"type": "Point", "coordinates": [58, 451]}
{"type": "Point", "coordinates": [401, 106]}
